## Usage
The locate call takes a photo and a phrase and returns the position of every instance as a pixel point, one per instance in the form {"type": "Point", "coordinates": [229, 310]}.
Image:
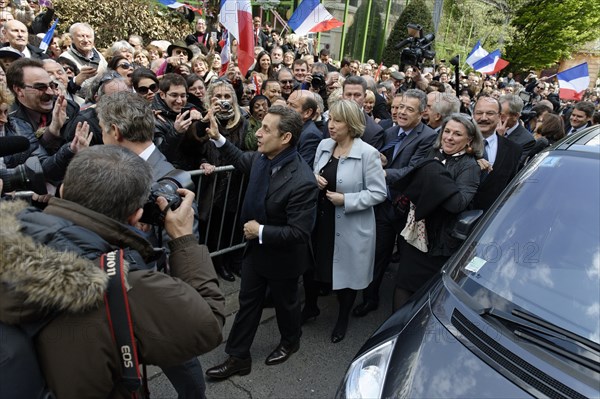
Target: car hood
{"type": "Point", "coordinates": [428, 362]}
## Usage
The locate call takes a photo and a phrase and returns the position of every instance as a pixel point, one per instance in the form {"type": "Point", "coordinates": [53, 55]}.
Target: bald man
{"type": "Point", "coordinates": [15, 33]}
{"type": "Point", "coordinates": [304, 103]}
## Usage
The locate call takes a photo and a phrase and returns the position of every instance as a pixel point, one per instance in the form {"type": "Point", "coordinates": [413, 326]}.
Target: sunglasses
{"type": "Point", "coordinates": [284, 82]}
{"type": "Point", "coordinates": [143, 90]}
{"type": "Point", "coordinates": [42, 86]}
{"type": "Point", "coordinates": [125, 65]}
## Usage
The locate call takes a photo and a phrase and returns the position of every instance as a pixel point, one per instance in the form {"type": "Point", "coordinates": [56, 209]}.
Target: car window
{"type": "Point", "coordinates": [541, 248]}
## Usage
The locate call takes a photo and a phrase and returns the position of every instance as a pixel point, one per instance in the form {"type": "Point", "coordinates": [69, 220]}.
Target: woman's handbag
{"type": "Point", "coordinates": [414, 231]}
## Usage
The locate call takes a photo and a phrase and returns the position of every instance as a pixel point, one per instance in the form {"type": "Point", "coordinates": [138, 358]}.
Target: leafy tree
{"type": "Point", "coordinates": [416, 12]}
{"type": "Point", "coordinates": [547, 31]}
{"type": "Point", "coordinates": [113, 20]}
{"type": "Point", "coordinates": [355, 35]}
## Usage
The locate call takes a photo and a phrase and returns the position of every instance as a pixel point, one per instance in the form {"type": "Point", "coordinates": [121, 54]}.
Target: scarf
{"type": "Point", "coordinates": [82, 58]}
{"type": "Point", "coordinates": [253, 207]}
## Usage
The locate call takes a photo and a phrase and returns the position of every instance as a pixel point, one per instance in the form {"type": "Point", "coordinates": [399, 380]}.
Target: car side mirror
{"type": "Point", "coordinates": [465, 221]}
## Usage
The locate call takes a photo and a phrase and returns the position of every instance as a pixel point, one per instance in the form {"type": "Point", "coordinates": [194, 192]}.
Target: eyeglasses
{"type": "Point", "coordinates": [42, 86]}
{"type": "Point", "coordinates": [143, 90]}
{"type": "Point", "coordinates": [125, 65]}
{"type": "Point", "coordinates": [175, 96]}
{"type": "Point", "coordinates": [286, 82]}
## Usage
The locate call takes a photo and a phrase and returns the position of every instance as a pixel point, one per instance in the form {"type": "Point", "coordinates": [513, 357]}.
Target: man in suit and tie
{"type": "Point", "coordinates": [278, 214]}
{"type": "Point", "coordinates": [404, 146]}
{"type": "Point", "coordinates": [510, 127]}
{"type": "Point", "coordinates": [127, 120]}
{"type": "Point", "coordinates": [581, 117]}
{"type": "Point", "coordinates": [502, 156]}
{"type": "Point", "coordinates": [355, 88]}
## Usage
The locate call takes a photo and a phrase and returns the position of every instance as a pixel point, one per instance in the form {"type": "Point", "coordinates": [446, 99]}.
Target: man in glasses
{"type": "Point", "coordinates": [287, 82]}
{"type": "Point", "coordinates": [15, 33]}
{"type": "Point", "coordinates": [174, 117]}
{"type": "Point", "coordinates": [35, 102]}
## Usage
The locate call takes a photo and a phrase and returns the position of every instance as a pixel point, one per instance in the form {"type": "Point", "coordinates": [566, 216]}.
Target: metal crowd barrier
{"type": "Point", "coordinates": [224, 245]}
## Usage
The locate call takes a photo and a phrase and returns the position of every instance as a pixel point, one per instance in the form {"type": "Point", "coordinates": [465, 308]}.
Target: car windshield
{"type": "Point", "coordinates": [540, 250]}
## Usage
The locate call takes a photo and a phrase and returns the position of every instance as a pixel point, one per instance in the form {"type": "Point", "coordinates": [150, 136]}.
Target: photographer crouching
{"type": "Point", "coordinates": [53, 270]}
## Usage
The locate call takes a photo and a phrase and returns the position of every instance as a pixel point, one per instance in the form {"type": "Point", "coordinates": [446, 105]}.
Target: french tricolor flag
{"type": "Point", "coordinates": [476, 54]}
{"type": "Point", "coordinates": [490, 64]}
{"type": "Point", "coordinates": [236, 16]}
{"type": "Point", "coordinates": [225, 54]}
{"type": "Point", "coordinates": [311, 16]}
{"type": "Point", "coordinates": [573, 82]}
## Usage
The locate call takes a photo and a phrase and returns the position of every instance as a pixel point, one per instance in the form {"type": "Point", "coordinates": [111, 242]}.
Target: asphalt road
{"type": "Point", "coordinates": [315, 371]}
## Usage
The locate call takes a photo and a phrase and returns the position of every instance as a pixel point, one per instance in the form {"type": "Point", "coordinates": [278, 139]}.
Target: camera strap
{"type": "Point", "coordinates": [119, 320]}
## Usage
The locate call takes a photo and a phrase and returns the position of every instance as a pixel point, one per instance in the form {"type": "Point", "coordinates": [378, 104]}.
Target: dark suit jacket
{"type": "Point", "coordinates": [386, 123]}
{"type": "Point", "coordinates": [524, 139]}
{"type": "Point", "coordinates": [291, 208]}
{"type": "Point", "coordinates": [310, 138]}
{"type": "Point", "coordinates": [159, 164]}
{"type": "Point", "coordinates": [414, 148]}
{"type": "Point", "coordinates": [373, 133]}
{"type": "Point", "coordinates": [504, 169]}
{"type": "Point", "coordinates": [380, 109]}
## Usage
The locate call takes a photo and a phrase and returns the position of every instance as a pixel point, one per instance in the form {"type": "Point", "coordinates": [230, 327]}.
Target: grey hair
{"type": "Point", "coordinates": [97, 86]}
{"type": "Point", "coordinates": [349, 112]}
{"type": "Point", "coordinates": [210, 90]}
{"type": "Point", "coordinates": [446, 104]}
{"type": "Point", "coordinates": [289, 121]}
{"type": "Point", "coordinates": [419, 95]}
{"type": "Point", "coordinates": [130, 113]}
{"type": "Point", "coordinates": [320, 104]}
{"type": "Point", "coordinates": [320, 68]}
{"type": "Point", "coordinates": [108, 179]}
{"type": "Point", "coordinates": [515, 104]}
{"type": "Point", "coordinates": [79, 25]}
{"type": "Point", "coordinates": [118, 46]}
{"type": "Point", "coordinates": [473, 133]}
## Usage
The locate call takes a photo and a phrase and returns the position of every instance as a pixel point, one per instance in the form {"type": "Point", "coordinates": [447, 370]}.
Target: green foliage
{"type": "Point", "coordinates": [114, 20]}
{"type": "Point", "coordinates": [547, 31]}
{"type": "Point", "coordinates": [416, 12]}
{"type": "Point", "coordinates": [466, 21]}
{"type": "Point", "coordinates": [354, 37]}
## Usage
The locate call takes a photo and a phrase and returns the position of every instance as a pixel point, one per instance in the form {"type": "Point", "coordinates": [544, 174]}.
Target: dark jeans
{"type": "Point", "coordinates": [187, 379]}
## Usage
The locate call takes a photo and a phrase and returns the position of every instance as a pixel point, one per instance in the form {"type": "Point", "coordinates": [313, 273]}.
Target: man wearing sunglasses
{"type": "Point", "coordinates": [35, 102]}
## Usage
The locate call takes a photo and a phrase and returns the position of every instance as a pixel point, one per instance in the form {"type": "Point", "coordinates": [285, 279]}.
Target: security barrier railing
{"type": "Point", "coordinates": [229, 238]}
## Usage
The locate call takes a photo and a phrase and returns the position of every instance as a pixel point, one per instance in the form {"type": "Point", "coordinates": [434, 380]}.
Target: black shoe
{"type": "Point", "coordinates": [231, 366]}
{"type": "Point", "coordinates": [339, 331]}
{"type": "Point", "coordinates": [364, 308]}
{"type": "Point", "coordinates": [281, 354]}
{"type": "Point", "coordinates": [309, 313]}
{"type": "Point", "coordinates": [224, 273]}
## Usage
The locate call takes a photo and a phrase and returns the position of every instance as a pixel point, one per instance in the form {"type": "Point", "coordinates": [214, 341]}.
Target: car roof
{"type": "Point", "coordinates": [588, 140]}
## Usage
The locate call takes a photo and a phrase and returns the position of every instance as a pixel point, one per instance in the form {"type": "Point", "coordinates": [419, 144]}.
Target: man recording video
{"type": "Point", "coordinates": [53, 270]}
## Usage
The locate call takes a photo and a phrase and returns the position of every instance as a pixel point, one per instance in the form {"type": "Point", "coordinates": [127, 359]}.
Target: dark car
{"type": "Point", "coordinates": [516, 311]}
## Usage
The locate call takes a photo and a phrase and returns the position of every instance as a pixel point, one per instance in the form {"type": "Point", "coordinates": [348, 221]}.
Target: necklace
{"type": "Point", "coordinates": [340, 152]}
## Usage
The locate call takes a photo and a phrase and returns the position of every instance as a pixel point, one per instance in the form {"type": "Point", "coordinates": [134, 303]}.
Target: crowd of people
{"type": "Point", "coordinates": [344, 162]}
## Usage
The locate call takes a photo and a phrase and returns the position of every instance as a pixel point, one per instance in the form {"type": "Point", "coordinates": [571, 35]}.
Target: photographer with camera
{"type": "Point", "coordinates": [54, 270]}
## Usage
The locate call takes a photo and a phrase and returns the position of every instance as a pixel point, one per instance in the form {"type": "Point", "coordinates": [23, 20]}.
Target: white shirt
{"type": "Point", "coordinates": [512, 129]}
{"type": "Point", "coordinates": [147, 152]}
{"type": "Point", "coordinates": [492, 148]}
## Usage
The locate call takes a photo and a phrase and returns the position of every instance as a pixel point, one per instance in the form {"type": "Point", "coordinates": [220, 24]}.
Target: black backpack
{"type": "Point", "coordinates": [20, 373]}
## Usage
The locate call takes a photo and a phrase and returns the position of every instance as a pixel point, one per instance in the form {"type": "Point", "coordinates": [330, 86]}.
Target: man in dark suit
{"type": "Point", "coordinates": [304, 103]}
{"type": "Point", "coordinates": [510, 127]}
{"type": "Point", "coordinates": [260, 38]}
{"type": "Point", "coordinates": [127, 120]}
{"type": "Point", "coordinates": [580, 117]}
{"type": "Point", "coordinates": [355, 88]}
{"type": "Point", "coordinates": [278, 213]}
{"type": "Point", "coordinates": [404, 146]}
{"type": "Point", "coordinates": [502, 156]}
{"type": "Point", "coordinates": [15, 33]}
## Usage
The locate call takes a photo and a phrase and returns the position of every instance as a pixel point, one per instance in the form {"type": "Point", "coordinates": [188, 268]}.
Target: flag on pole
{"type": "Point", "coordinates": [48, 37]}
{"type": "Point", "coordinates": [490, 64]}
{"type": "Point", "coordinates": [476, 54]}
{"type": "Point", "coordinates": [171, 3]}
{"type": "Point", "coordinates": [311, 16]}
{"type": "Point", "coordinates": [236, 16]}
{"type": "Point", "coordinates": [573, 82]}
{"type": "Point", "coordinates": [224, 53]}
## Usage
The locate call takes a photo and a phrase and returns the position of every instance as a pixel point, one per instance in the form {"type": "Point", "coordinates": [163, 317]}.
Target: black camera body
{"type": "Point", "coordinates": [419, 46]}
{"type": "Point", "coordinates": [28, 176]}
{"type": "Point", "coordinates": [224, 104]}
{"type": "Point", "coordinates": [318, 81]}
{"type": "Point", "coordinates": [166, 187]}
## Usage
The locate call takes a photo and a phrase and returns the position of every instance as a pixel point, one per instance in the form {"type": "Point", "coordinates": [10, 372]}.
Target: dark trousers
{"type": "Point", "coordinates": [388, 225]}
{"type": "Point", "coordinates": [252, 294]}
{"type": "Point", "coordinates": [187, 379]}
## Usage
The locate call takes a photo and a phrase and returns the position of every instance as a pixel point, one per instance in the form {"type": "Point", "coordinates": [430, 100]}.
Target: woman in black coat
{"type": "Point", "coordinates": [440, 188]}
